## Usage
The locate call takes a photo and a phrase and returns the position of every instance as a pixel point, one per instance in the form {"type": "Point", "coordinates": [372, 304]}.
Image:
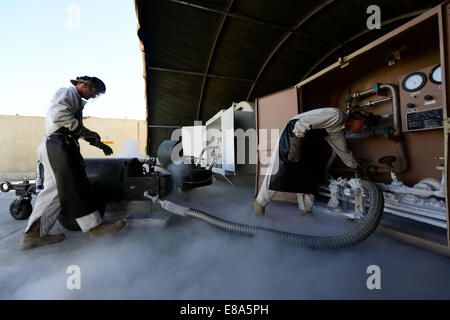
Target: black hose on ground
{"type": "Point", "coordinates": [365, 229]}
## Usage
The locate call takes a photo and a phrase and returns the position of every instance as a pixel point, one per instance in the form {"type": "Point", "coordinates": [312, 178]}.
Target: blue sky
{"type": "Point", "coordinates": [44, 44]}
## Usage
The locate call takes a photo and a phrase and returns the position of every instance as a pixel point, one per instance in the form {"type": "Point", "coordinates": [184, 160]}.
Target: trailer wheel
{"type": "Point", "coordinates": [20, 209]}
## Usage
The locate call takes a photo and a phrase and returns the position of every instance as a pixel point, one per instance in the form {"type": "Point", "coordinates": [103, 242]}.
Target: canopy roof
{"type": "Point", "coordinates": [200, 56]}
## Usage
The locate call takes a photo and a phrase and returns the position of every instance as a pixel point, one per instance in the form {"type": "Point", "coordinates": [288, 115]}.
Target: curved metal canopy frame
{"type": "Point", "coordinates": [211, 54]}
{"type": "Point", "coordinates": [243, 17]}
{"type": "Point", "coordinates": [283, 40]}
{"type": "Point", "coordinates": [225, 14]}
{"type": "Point", "coordinates": [388, 22]}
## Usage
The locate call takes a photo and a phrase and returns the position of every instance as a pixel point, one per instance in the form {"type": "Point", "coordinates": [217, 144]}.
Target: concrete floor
{"type": "Point", "coordinates": [188, 259]}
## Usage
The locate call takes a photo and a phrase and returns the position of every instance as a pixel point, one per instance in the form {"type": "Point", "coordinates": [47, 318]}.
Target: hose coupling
{"type": "Point", "coordinates": [155, 199]}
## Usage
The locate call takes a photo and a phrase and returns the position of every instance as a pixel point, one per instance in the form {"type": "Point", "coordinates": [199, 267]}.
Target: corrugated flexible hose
{"type": "Point", "coordinates": [364, 230]}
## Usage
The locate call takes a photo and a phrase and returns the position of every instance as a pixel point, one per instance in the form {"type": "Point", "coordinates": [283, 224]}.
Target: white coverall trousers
{"type": "Point", "coordinates": [330, 119]}
{"type": "Point", "coordinates": [265, 195]}
{"type": "Point", "coordinates": [47, 205]}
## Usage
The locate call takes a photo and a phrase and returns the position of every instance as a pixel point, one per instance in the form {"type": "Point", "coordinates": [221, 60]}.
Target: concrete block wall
{"type": "Point", "coordinates": [21, 135]}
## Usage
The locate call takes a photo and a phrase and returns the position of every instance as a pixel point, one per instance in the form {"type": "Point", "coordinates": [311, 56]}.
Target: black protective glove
{"type": "Point", "coordinates": [88, 135]}
{"type": "Point", "coordinates": [97, 143]}
{"type": "Point", "coordinates": [94, 140]}
{"type": "Point", "coordinates": [106, 149]}
{"type": "Point", "coordinates": [295, 151]}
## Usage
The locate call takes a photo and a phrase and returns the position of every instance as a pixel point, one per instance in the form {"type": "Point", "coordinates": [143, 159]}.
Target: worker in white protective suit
{"type": "Point", "coordinates": [67, 189]}
{"type": "Point", "coordinates": [294, 164]}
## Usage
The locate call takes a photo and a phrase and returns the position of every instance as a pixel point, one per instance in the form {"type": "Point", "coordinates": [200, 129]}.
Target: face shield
{"type": "Point", "coordinates": [95, 92]}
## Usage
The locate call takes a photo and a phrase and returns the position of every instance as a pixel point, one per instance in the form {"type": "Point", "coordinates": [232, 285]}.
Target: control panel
{"type": "Point", "coordinates": [421, 99]}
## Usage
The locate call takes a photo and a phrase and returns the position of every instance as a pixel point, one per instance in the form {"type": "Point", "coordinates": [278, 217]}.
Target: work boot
{"type": "Point", "coordinates": [106, 228]}
{"type": "Point", "coordinates": [258, 208]}
{"type": "Point", "coordinates": [32, 238]}
{"type": "Point", "coordinates": [306, 212]}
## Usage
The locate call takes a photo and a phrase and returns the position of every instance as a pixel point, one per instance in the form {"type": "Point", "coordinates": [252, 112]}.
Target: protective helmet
{"type": "Point", "coordinates": [95, 82]}
{"type": "Point", "coordinates": [369, 119]}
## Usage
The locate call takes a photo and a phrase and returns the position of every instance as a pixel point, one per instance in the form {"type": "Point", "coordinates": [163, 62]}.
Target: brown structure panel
{"type": "Point", "coordinates": [364, 71]}
{"type": "Point", "coordinates": [273, 112]}
{"type": "Point", "coordinates": [422, 146]}
{"type": "Point", "coordinates": [424, 100]}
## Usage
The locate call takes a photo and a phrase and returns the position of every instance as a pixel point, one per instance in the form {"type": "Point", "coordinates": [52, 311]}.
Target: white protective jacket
{"type": "Point", "coordinates": [333, 121]}
{"type": "Point", "coordinates": [330, 119]}
{"type": "Point", "coordinates": [65, 110]}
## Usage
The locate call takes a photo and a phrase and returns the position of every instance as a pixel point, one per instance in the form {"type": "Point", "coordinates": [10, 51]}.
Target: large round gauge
{"type": "Point", "coordinates": [435, 75]}
{"type": "Point", "coordinates": [414, 82]}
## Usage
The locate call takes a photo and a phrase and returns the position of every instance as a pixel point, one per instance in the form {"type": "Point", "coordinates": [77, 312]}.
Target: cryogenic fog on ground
{"type": "Point", "coordinates": [186, 259]}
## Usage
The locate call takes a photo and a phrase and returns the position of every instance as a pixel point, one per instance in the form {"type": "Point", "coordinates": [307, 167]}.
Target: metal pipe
{"type": "Point", "coordinates": [374, 103]}
{"type": "Point", "coordinates": [394, 209]}
{"type": "Point", "coordinates": [351, 136]}
{"type": "Point", "coordinates": [403, 210]}
{"type": "Point", "coordinates": [402, 158]}
{"type": "Point", "coordinates": [354, 136]}
{"type": "Point", "coordinates": [362, 94]}
{"type": "Point", "coordinates": [415, 217]}
{"type": "Point", "coordinates": [403, 167]}
{"type": "Point", "coordinates": [395, 109]}
{"type": "Point", "coordinates": [367, 133]}
{"type": "Point", "coordinates": [395, 102]}
{"type": "Point", "coordinates": [437, 216]}
{"type": "Point", "coordinates": [402, 189]}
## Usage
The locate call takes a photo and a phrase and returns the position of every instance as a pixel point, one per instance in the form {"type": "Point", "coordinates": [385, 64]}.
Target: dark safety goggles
{"type": "Point", "coordinates": [94, 90]}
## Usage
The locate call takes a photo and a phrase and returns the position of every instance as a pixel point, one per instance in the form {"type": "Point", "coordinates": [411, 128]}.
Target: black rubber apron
{"type": "Point", "coordinates": [75, 193]}
{"type": "Point", "coordinates": [305, 175]}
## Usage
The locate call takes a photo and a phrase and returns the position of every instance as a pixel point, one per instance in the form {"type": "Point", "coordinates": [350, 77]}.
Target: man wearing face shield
{"type": "Point", "coordinates": [66, 187]}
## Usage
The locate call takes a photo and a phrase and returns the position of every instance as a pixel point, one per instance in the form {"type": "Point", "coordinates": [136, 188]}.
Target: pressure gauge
{"type": "Point", "coordinates": [414, 82]}
{"type": "Point", "coordinates": [435, 75]}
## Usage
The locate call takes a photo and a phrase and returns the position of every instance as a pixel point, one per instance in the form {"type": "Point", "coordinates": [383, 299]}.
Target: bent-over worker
{"type": "Point", "coordinates": [293, 166]}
